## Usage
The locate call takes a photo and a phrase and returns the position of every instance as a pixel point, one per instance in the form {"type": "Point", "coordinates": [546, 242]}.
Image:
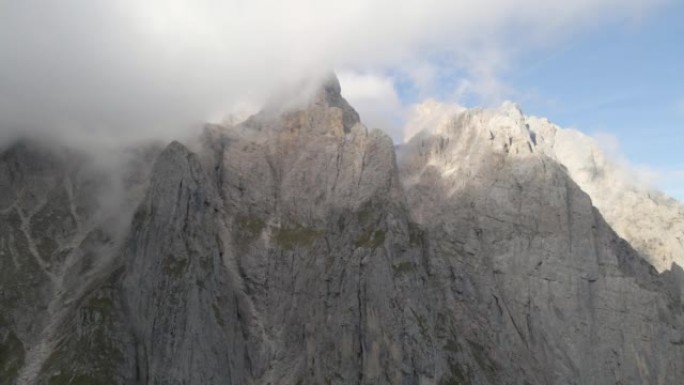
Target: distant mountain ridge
{"type": "Point", "coordinates": [652, 222]}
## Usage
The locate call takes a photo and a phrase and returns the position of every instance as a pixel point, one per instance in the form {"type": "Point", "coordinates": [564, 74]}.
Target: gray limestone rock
{"type": "Point", "coordinates": [293, 248]}
{"type": "Point", "coordinates": [561, 298]}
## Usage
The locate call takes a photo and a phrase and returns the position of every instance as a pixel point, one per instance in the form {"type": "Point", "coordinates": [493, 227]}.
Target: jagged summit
{"type": "Point", "coordinates": [293, 249]}
{"type": "Point", "coordinates": [317, 107]}
{"type": "Point", "coordinates": [511, 108]}
{"type": "Point", "coordinates": [650, 221]}
{"type": "Point", "coordinates": [330, 95]}
{"type": "Point", "coordinates": [330, 90]}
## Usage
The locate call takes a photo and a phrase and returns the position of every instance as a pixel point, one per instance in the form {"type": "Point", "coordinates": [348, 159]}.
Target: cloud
{"type": "Point", "coordinates": [429, 116]}
{"type": "Point", "coordinates": [669, 179]}
{"type": "Point", "coordinates": [125, 69]}
{"type": "Point", "coordinates": [376, 100]}
{"type": "Point", "coordinates": [673, 183]}
{"type": "Point", "coordinates": [610, 144]}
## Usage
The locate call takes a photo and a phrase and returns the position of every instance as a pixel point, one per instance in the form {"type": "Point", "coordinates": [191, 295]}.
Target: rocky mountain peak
{"type": "Point", "coordinates": [511, 108]}
{"type": "Point", "coordinates": [293, 249]}
{"type": "Point", "coordinates": [304, 112]}
{"type": "Point", "coordinates": [330, 89]}
{"type": "Point", "coordinates": [328, 101]}
{"type": "Point", "coordinates": [614, 189]}
{"type": "Point", "coordinates": [652, 222]}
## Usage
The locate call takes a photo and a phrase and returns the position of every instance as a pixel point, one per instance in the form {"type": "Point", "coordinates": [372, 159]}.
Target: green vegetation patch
{"type": "Point", "coordinates": [253, 226]}
{"type": "Point", "coordinates": [404, 268]}
{"type": "Point", "coordinates": [292, 238]}
{"type": "Point", "coordinates": [12, 356]}
{"type": "Point", "coordinates": [217, 315]}
{"type": "Point", "coordinates": [92, 355]}
{"type": "Point", "coordinates": [371, 239]}
{"type": "Point", "coordinates": [46, 247]}
{"type": "Point", "coordinates": [366, 214]}
{"type": "Point", "coordinates": [175, 266]}
{"type": "Point", "coordinates": [422, 324]}
{"type": "Point", "coordinates": [101, 305]}
{"type": "Point", "coordinates": [483, 361]}
{"type": "Point", "coordinates": [452, 346]}
{"type": "Point", "coordinates": [66, 378]}
{"type": "Point", "coordinates": [458, 375]}
{"type": "Point", "coordinates": [416, 234]}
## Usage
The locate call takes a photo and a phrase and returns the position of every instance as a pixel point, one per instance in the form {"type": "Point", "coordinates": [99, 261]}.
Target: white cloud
{"type": "Point", "coordinates": [669, 179]}
{"type": "Point", "coordinates": [610, 144]}
{"type": "Point", "coordinates": [429, 116]}
{"type": "Point", "coordinates": [483, 81]}
{"type": "Point", "coordinates": [376, 99]}
{"type": "Point", "coordinates": [673, 184]}
{"type": "Point", "coordinates": [130, 68]}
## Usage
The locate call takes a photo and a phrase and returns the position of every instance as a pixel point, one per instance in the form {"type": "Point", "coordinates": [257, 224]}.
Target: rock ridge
{"type": "Point", "coordinates": [299, 248]}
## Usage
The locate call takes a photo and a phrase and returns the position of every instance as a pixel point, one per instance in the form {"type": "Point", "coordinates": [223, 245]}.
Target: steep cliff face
{"type": "Point", "coordinates": [652, 222]}
{"type": "Point", "coordinates": [60, 227]}
{"type": "Point", "coordinates": [293, 249]}
{"type": "Point", "coordinates": [315, 227]}
{"type": "Point", "coordinates": [558, 290]}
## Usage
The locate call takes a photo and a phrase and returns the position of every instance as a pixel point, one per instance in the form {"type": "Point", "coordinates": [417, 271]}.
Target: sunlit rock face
{"type": "Point", "coordinates": [555, 286]}
{"type": "Point", "coordinates": [650, 221]}
{"type": "Point", "coordinates": [299, 247]}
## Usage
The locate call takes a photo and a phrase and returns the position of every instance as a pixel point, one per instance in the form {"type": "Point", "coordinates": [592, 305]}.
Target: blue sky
{"type": "Point", "coordinates": [128, 70]}
{"type": "Point", "coordinates": [626, 80]}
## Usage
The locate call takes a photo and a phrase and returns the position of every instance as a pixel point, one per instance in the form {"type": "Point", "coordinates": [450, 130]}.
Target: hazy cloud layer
{"type": "Point", "coordinates": [129, 69]}
{"type": "Point", "coordinates": [376, 99]}
{"type": "Point", "coordinates": [669, 179]}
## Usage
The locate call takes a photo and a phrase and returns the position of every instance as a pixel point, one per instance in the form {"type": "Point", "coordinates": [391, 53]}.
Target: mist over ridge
{"type": "Point", "coordinates": [122, 71]}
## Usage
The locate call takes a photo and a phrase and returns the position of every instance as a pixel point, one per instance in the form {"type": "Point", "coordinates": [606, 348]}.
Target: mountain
{"type": "Point", "coordinates": [650, 221]}
{"type": "Point", "coordinates": [300, 247]}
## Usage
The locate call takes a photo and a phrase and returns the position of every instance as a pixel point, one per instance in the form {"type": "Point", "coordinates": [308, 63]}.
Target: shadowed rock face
{"type": "Point", "coordinates": [652, 222]}
{"type": "Point", "coordinates": [293, 249]}
{"type": "Point", "coordinates": [559, 297]}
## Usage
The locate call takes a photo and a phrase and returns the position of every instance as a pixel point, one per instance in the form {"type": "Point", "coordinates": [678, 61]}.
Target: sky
{"type": "Point", "coordinates": [622, 80]}
{"type": "Point", "coordinates": [91, 72]}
